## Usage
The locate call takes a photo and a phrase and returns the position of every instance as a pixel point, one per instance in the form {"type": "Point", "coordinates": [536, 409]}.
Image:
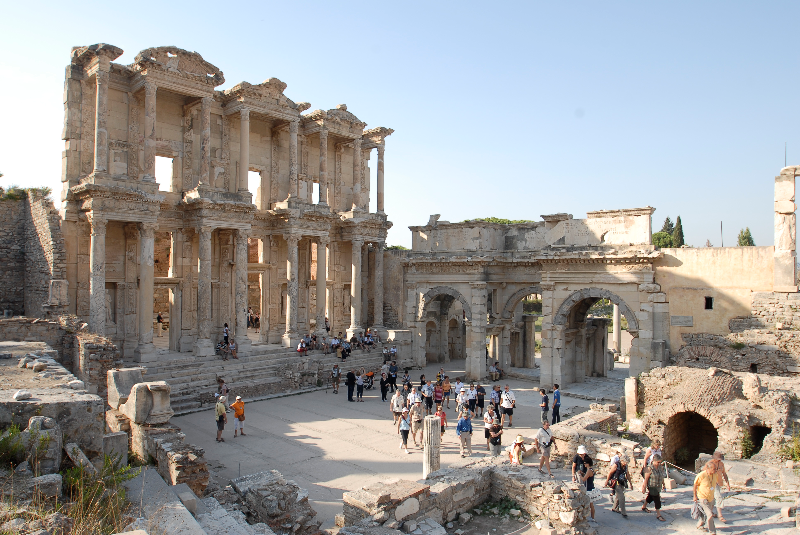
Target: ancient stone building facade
{"type": "Point", "coordinates": [119, 118]}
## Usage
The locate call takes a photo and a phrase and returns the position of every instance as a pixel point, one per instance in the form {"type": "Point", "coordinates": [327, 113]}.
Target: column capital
{"type": "Point", "coordinates": [381, 149]}
{"type": "Point", "coordinates": [98, 224]}
{"type": "Point", "coordinates": [148, 229]}
{"type": "Point", "coordinates": [292, 239]}
{"type": "Point", "coordinates": [380, 245]}
{"type": "Point", "coordinates": [357, 241]}
{"type": "Point", "coordinates": [204, 229]}
{"type": "Point", "coordinates": [323, 132]}
{"type": "Point", "coordinates": [243, 233]}
{"type": "Point", "coordinates": [150, 88]}
{"type": "Point", "coordinates": [324, 240]}
{"type": "Point", "coordinates": [294, 126]}
{"type": "Point", "coordinates": [244, 114]}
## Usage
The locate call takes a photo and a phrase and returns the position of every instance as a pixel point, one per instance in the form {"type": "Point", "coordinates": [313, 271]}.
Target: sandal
{"type": "Point", "coordinates": [540, 471]}
{"type": "Point", "coordinates": [645, 509]}
{"type": "Point", "coordinates": [661, 518]}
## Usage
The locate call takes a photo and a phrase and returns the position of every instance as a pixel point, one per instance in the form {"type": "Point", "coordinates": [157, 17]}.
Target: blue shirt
{"type": "Point", "coordinates": [557, 398]}
{"type": "Point", "coordinates": [465, 425]}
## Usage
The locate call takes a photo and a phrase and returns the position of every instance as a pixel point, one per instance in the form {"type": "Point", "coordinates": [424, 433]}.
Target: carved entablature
{"type": "Point", "coordinates": [266, 98]}
{"type": "Point", "coordinates": [229, 215]}
{"type": "Point", "coordinates": [116, 203]}
{"type": "Point", "coordinates": [85, 56]}
{"type": "Point", "coordinates": [337, 121]}
{"type": "Point", "coordinates": [375, 137]}
{"type": "Point", "coordinates": [174, 60]}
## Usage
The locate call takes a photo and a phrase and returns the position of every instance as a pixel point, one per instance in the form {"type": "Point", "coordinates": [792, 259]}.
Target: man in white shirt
{"type": "Point", "coordinates": [507, 404]}
{"type": "Point", "coordinates": [427, 393]}
{"type": "Point", "coordinates": [493, 373]}
{"type": "Point", "coordinates": [413, 397]}
{"type": "Point", "coordinates": [458, 385]}
{"type": "Point", "coordinates": [543, 440]}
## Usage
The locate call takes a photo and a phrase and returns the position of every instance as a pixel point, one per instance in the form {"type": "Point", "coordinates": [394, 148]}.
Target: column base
{"type": "Point", "coordinates": [145, 353]}
{"type": "Point", "coordinates": [290, 339]}
{"type": "Point", "coordinates": [244, 347]}
{"type": "Point", "coordinates": [203, 347]}
{"type": "Point", "coordinates": [354, 330]}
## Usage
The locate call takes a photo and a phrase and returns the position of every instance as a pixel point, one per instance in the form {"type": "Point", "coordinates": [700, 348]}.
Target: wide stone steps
{"type": "Point", "coordinates": [194, 380]}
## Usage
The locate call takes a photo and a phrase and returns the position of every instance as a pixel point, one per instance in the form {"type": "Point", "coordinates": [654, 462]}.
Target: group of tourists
{"type": "Point", "coordinates": [221, 410]}
{"type": "Point", "coordinates": [226, 348]}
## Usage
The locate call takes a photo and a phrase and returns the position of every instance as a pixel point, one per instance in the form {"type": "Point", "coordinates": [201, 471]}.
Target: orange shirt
{"type": "Point", "coordinates": [238, 408]}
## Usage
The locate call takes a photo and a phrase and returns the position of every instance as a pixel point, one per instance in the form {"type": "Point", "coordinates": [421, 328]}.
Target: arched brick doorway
{"type": "Point", "coordinates": [686, 436]}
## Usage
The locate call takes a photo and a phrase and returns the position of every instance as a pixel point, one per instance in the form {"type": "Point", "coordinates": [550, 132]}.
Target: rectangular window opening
{"type": "Point", "coordinates": [164, 172]}
{"type": "Point", "coordinates": [253, 184]}
{"type": "Point", "coordinates": [315, 193]}
{"type": "Point", "coordinates": [709, 303]}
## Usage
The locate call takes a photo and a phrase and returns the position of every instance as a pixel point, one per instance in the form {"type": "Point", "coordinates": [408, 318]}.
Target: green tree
{"type": "Point", "coordinates": [745, 238]}
{"type": "Point", "coordinates": [668, 227]}
{"type": "Point", "coordinates": [677, 234]}
{"type": "Point", "coordinates": [662, 239]}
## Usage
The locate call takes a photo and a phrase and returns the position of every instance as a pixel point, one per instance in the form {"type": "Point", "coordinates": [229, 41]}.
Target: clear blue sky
{"type": "Point", "coordinates": [507, 110]}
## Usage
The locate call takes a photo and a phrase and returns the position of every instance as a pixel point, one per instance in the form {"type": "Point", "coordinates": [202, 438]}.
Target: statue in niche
{"type": "Point", "coordinates": [109, 306]}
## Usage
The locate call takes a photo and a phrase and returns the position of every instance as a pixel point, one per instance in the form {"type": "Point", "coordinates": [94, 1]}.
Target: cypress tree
{"type": "Point", "coordinates": [668, 227]}
{"type": "Point", "coordinates": [677, 234]}
{"type": "Point", "coordinates": [745, 238]}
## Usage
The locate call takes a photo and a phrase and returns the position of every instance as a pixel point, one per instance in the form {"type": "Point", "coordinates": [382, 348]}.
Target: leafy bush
{"type": "Point", "coordinates": [738, 345]}
{"type": "Point", "coordinates": [532, 306]}
{"type": "Point", "coordinates": [747, 445]}
{"type": "Point", "coordinates": [16, 193]}
{"type": "Point", "coordinates": [662, 240]}
{"type": "Point", "coordinates": [396, 248]}
{"type": "Point", "coordinates": [11, 448]}
{"type": "Point", "coordinates": [745, 239]}
{"type": "Point", "coordinates": [683, 456]}
{"type": "Point", "coordinates": [790, 450]}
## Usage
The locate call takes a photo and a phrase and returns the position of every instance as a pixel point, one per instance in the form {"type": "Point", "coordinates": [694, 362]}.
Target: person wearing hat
{"type": "Point", "coordinates": [221, 417]}
{"type": "Point", "coordinates": [417, 413]}
{"type": "Point", "coordinates": [583, 473]}
{"type": "Point", "coordinates": [488, 420]}
{"type": "Point", "coordinates": [238, 414]}
{"type": "Point", "coordinates": [544, 439]}
{"type": "Point", "coordinates": [462, 400]}
{"type": "Point", "coordinates": [336, 377]}
{"type": "Point", "coordinates": [517, 449]}
{"type": "Point", "coordinates": [403, 427]}
{"type": "Point", "coordinates": [464, 432]}
{"type": "Point", "coordinates": [495, 438]}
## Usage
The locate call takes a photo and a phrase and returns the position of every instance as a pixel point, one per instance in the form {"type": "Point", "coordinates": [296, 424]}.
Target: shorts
{"type": "Point", "coordinates": [480, 402]}
{"type": "Point", "coordinates": [718, 499]}
{"type": "Point", "coordinates": [238, 424]}
{"type": "Point", "coordinates": [221, 423]}
{"type": "Point", "coordinates": [404, 434]}
{"type": "Point", "coordinates": [486, 434]}
{"type": "Point", "coordinates": [546, 452]}
{"type": "Point", "coordinates": [507, 410]}
{"type": "Point", "coordinates": [544, 416]}
{"type": "Point", "coordinates": [654, 498]}
{"type": "Point", "coordinates": [443, 430]}
{"type": "Point", "coordinates": [472, 405]}
{"type": "Point", "coordinates": [446, 395]}
{"type": "Point", "coordinates": [429, 402]}
{"type": "Point", "coordinates": [416, 426]}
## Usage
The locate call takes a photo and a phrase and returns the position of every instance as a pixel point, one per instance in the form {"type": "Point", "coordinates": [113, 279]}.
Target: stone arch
{"type": "Point", "coordinates": [511, 304]}
{"type": "Point", "coordinates": [433, 293]}
{"type": "Point", "coordinates": [561, 316]}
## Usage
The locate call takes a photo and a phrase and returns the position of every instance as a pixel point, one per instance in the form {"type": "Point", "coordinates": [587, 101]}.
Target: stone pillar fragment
{"type": "Point", "coordinates": [476, 353]}
{"type": "Point", "coordinates": [357, 173]}
{"type": "Point", "coordinates": [431, 440]}
{"type": "Point", "coordinates": [322, 274]}
{"type": "Point", "coordinates": [617, 327]}
{"type": "Point", "coordinates": [101, 116]}
{"type": "Point", "coordinates": [355, 288]}
{"type": "Point", "coordinates": [203, 346]}
{"type": "Point", "coordinates": [244, 150]}
{"type": "Point", "coordinates": [240, 301]}
{"type": "Point", "coordinates": [294, 126]}
{"type": "Point", "coordinates": [785, 256]}
{"type": "Point", "coordinates": [381, 149]}
{"type": "Point", "coordinates": [378, 290]}
{"type": "Point", "coordinates": [292, 293]}
{"type": "Point", "coordinates": [149, 166]}
{"type": "Point", "coordinates": [205, 141]}
{"type": "Point", "coordinates": [323, 167]}
{"type": "Point", "coordinates": [146, 351]}
{"type": "Point", "coordinates": [97, 282]}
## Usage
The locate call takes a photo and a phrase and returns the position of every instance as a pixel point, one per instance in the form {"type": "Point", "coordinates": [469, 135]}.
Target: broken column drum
{"type": "Point", "coordinates": [431, 439]}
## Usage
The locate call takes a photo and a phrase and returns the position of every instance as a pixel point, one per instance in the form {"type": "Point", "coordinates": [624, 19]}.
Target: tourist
{"type": "Point", "coordinates": [494, 396]}
{"type": "Point", "coordinates": [406, 380]}
{"type": "Point", "coordinates": [654, 449]}
{"type": "Point", "coordinates": [422, 381]}
{"type": "Point", "coordinates": [405, 392]}
{"type": "Point", "coordinates": [427, 395]}
{"type": "Point", "coordinates": [440, 375]}
{"type": "Point", "coordinates": [718, 459]}
{"type": "Point", "coordinates": [583, 473]}
{"type": "Point", "coordinates": [493, 373]}
{"type": "Point", "coordinates": [617, 480]}
{"type": "Point", "coordinates": [488, 421]}
{"type": "Point", "coordinates": [417, 415]}
{"type": "Point", "coordinates": [472, 399]}
{"type": "Point", "coordinates": [238, 415]}
{"type": "Point", "coordinates": [351, 384]}
{"type": "Point", "coordinates": [159, 324]}
{"type": "Point", "coordinates": [396, 405]}
{"type": "Point", "coordinates": [481, 393]}
{"type": "Point", "coordinates": [495, 438]}
{"type": "Point", "coordinates": [232, 348]}
{"type": "Point", "coordinates": [386, 356]}
{"type": "Point", "coordinates": [446, 388]}
{"type": "Point", "coordinates": [413, 397]}
{"type": "Point", "coordinates": [225, 333]}
{"type": "Point", "coordinates": [462, 403]}
{"type": "Point", "coordinates": [438, 393]}
{"type": "Point", "coordinates": [250, 316]}
{"type": "Point", "coordinates": [556, 404]}
{"type": "Point", "coordinates": [654, 476]}
{"type": "Point", "coordinates": [703, 494]}
{"type": "Point", "coordinates": [464, 432]}
{"type": "Point", "coordinates": [326, 348]}
{"type": "Point", "coordinates": [347, 349]}
{"type": "Point", "coordinates": [302, 348]}
{"type": "Point", "coordinates": [327, 325]}
{"type": "Point", "coordinates": [499, 370]}
{"type": "Point", "coordinates": [384, 386]}
{"type": "Point", "coordinates": [443, 417]}
{"type": "Point", "coordinates": [403, 427]}
{"type": "Point", "coordinates": [221, 417]}
{"type": "Point", "coordinates": [457, 386]}
{"type": "Point", "coordinates": [543, 440]}
{"type": "Point", "coordinates": [545, 404]}
{"type": "Point", "coordinates": [393, 375]}
{"type": "Point", "coordinates": [393, 352]}
{"type": "Point", "coordinates": [223, 389]}
{"type": "Point", "coordinates": [257, 322]}
{"type": "Point", "coordinates": [517, 450]}
{"type": "Point", "coordinates": [340, 353]}
{"type": "Point", "coordinates": [507, 404]}
{"type": "Point", "coordinates": [362, 376]}
{"type": "Point", "coordinates": [336, 376]}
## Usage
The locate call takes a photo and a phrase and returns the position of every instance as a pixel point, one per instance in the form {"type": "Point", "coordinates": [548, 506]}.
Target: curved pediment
{"type": "Point", "coordinates": [176, 60]}
{"type": "Point", "coordinates": [341, 115]}
{"type": "Point", "coordinates": [270, 91]}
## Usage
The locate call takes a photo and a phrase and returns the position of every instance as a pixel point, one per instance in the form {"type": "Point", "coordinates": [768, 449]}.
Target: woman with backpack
{"type": "Point", "coordinates": [617, 480]}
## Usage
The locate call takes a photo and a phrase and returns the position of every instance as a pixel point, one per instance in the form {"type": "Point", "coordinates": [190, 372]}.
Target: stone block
{"type": "Point", "coordinates": [409, 527]}
{"type": "Point", "coordinates": [788, 511]}
{"type": "Point", "coordinates": [39, 366]}
{"type": "Point", "coordinates": [406, 509]}
{"type": "Point", "coordinates": [49, 485]}
{"type": "Point", "coordinates": [670, 484]}
{"type": "Point", "coordinates": [42, 442]}
{"type": "Point", "coordinates": [186, 496]}
{"type": "Point", "coordinates": [463, 518]}
{"type": "Point", "coordinates": [679, 478]}
{"type": "Point", "coordinates": [158, 504]}
{"type": "Point", "coordinates": [120, 383]}
{"type": "Point", "coordinates": [148, 403]}
{"type": "Point", "coordinates": [79, 458]}
{"type": "Point", "coordinates": [21, 395]}
{"type": "Point", "coordinates": [115, 445]}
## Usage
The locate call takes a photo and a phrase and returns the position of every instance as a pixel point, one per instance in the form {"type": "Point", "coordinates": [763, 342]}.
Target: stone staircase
{"type": "Point", "coordinates": [266, 371]}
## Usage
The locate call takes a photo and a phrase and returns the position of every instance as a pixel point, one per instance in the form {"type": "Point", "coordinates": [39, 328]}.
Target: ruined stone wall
{"type": "Point", "coordinates": [393, 289]}
{"type": "Point", "coordinates": [759, 351]}
{"type": "Point", "coordinates": [35, 330]}
{"type": "Point", "coordinates": [12, 256]}
{"type": "Point", "coordinates": [768, 310]}
{"type": "Point", "coordinates": [45, 253]}
{"type": "Point", "coordinates": [92, 357]}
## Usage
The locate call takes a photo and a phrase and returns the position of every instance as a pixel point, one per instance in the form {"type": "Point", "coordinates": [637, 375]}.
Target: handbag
{"type": "Point", "coordinates": [594, 495]}
{"type": "Point", "coordinates": [695, 511]}
{"type": "Point", "coordinates": [241, 418]}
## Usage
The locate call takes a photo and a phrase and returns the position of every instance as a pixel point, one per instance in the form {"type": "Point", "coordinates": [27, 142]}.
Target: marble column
{"type": "Point", "coordinates": [101, 116]}
{"type": "Point", "coordinates": [355, 288]}
{"type": "Point", "coordinates": [240, 300]}
{"type": "Point", "coordinates": [146, 351]}
{"type": "Point", "coordinates": [377, 277]}
{"type": "Point", "coordinates": [290, 335]}
{"type": "Point", "coordinates": [380, 179]}
{"type": "Point", "coordinates": [322, 275]}
{"type": "Point", "coordinates": [294, 126]}
{"type": "Point", "coordinates": [357, 173]}
{"type": "Point", "coordinates": [323, 166]}
{"type": "Point", "coordinates": [476, 353]}
{"type": "Point", "coordinates": [785, 252]}
{"type": "Point", "coordinates": [97, 282]}
{"type": "Point", "coordinates": [264, 280]}
{"type": "Point", "coordinates": [431, 449]}
{"type": "Point", "coordinates": [244, 150]}
{"type": "Point", "coordinates": [149, 167]}
{"type": "Point", "coordinates": [203, 346]}
{"type": "Point", "coordinates": [617, 328]}
{"type": "Point", "coordinates": [205, 143]}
